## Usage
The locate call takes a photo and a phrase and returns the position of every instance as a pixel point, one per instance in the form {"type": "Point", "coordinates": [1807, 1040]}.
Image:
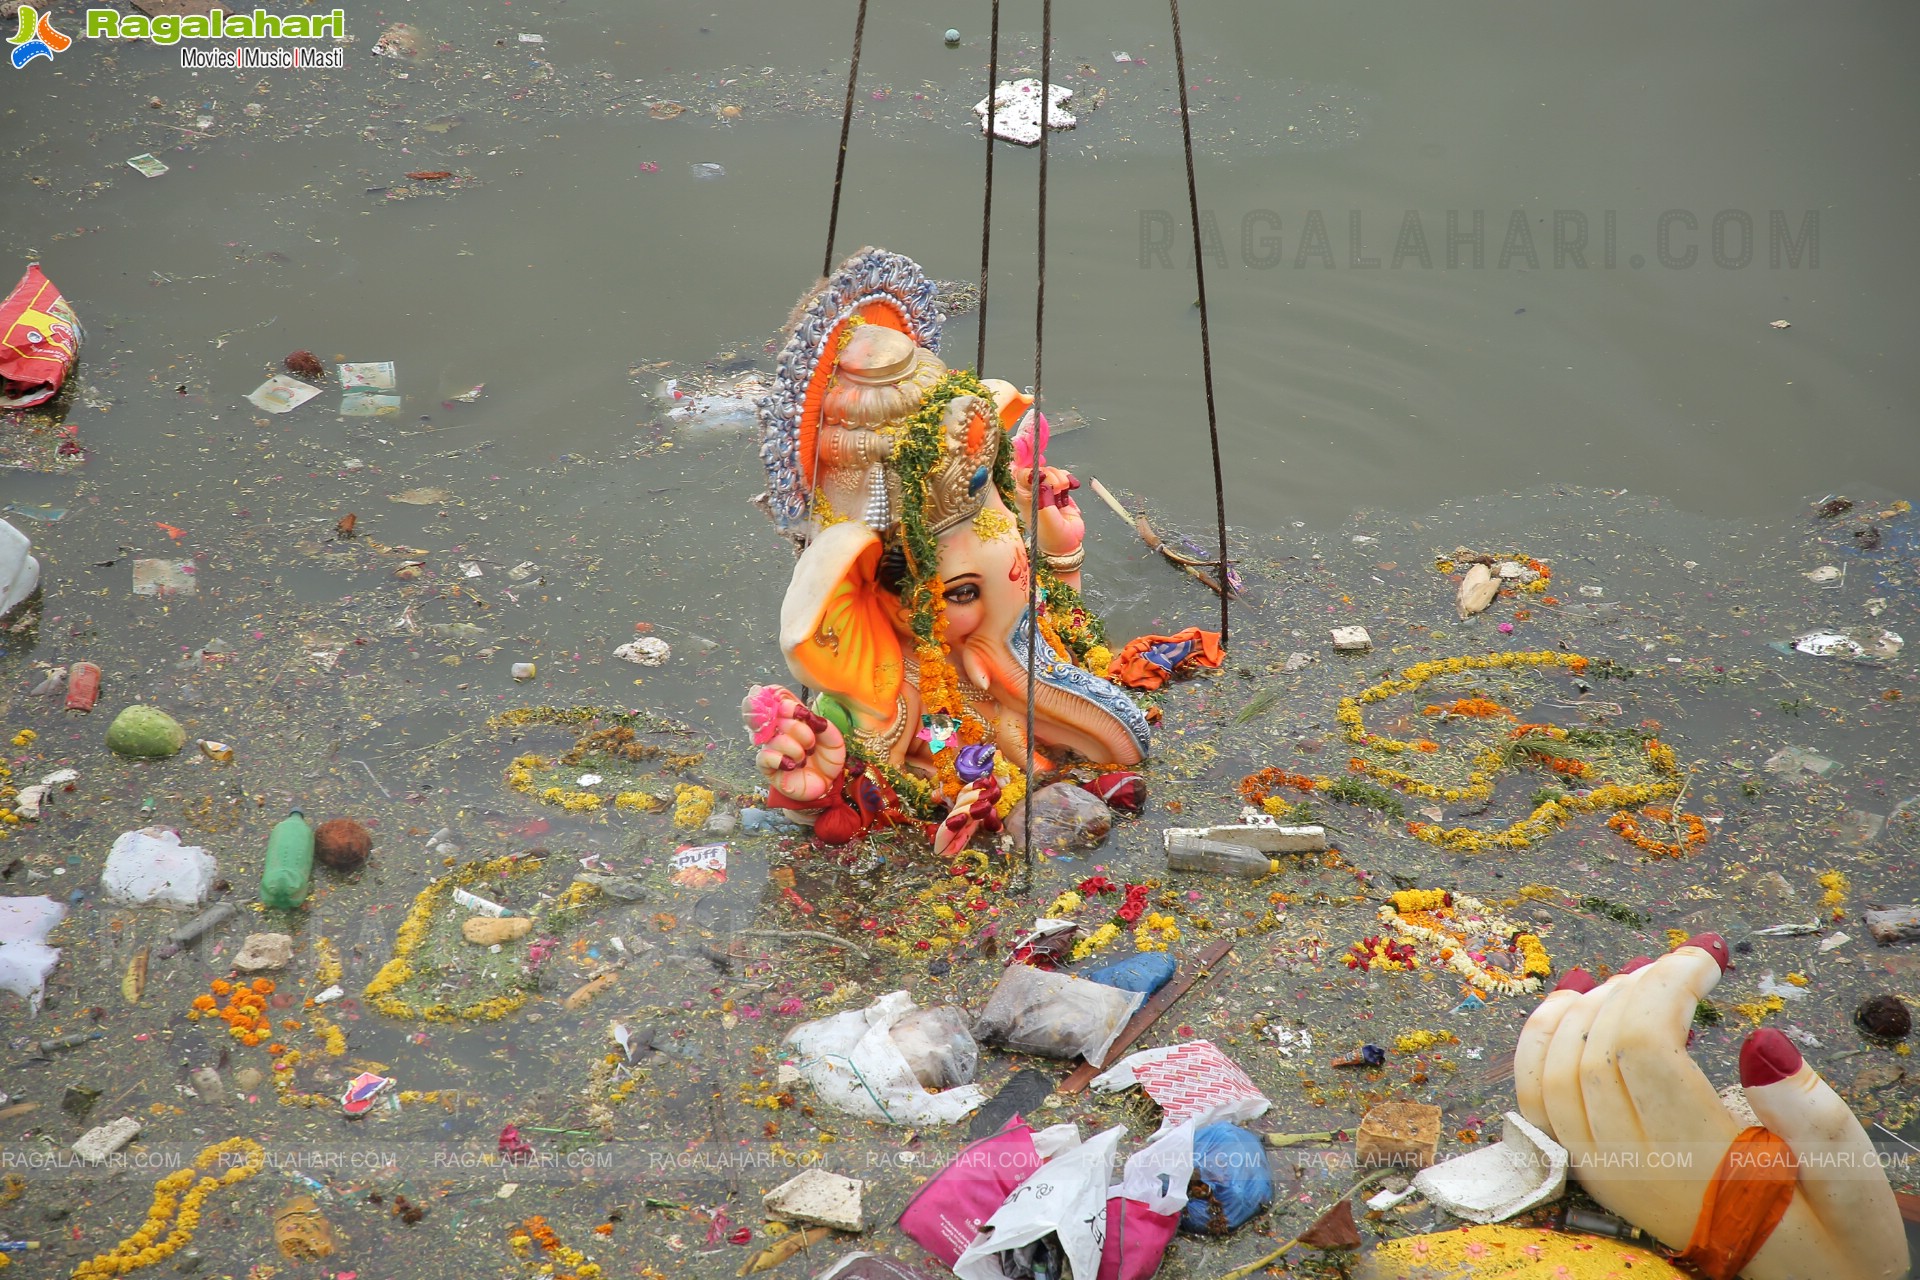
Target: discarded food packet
{"type": "Point", "coordinates": [39, 341]}
{"type": "Point", "coordinates": [708, 172]}
{"type": "Point", "coordinates": [281, 394]}
{"type": "Point", "coordinates": [361, 1091]}
{"type": "Point", "coordinates": [700, 866]}
{"type": "Point", "coordinates": [369, 404]}
{"type": "Point", "coordinates": [373, 375]}
{"type": "Point", "coordinates": [148, 163]}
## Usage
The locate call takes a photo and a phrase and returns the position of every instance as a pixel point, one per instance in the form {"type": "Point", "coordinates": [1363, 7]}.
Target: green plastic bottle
{"type": "Point", "coordinates": [288, 875]}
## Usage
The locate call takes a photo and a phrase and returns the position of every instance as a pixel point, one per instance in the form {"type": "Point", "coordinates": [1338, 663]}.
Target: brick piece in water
{"type": "Point", "coordinates": [97, 1144]}
{"type": "Point", "coordinates": [263, 951]}
{"type": "Point", "coordinates": [1352, 639]}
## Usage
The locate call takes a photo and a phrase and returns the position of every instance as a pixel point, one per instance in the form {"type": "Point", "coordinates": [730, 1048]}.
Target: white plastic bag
{"type": "Point", "coordinates": [151, 866]}
{"type": "Point", "coordinates": [851, 1061]}
{"type": "Point", "coordinates": [1065, 1198]}
{"type": "Point", "coordinates": [938, 1046]}
{"type": "Point", "coordinates": [19, 571]}
{"type": "Point", "coordinates": [1055, 1015]}
{"type": "Point", "coordinates": [1157, 1174]}
{"type": "Point", "coordinates": [26, 960]}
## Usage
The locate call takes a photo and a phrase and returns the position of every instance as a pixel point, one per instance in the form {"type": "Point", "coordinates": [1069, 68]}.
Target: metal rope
{"type": "Point", "coordinates": [986, 209]}
{"type": "Point", "coordinates": [1034, 638]}
{"type": "Point", "coordinates": [846, 123]}
{"type": "Point", "coordinates": [1200, 280]}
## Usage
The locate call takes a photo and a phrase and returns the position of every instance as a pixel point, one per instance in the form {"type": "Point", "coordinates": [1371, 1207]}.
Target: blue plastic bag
{"type": "Point", "coordinates": [1145, 972]}
{"type": "Point", "coordinates": [1233, 1164]}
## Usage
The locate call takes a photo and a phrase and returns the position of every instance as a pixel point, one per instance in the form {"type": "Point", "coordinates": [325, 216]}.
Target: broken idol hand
{"type": "Point", "coordinates": [974, 810]}
{"type": "Point", "coordinates": [801, 752]}
{"type": "Point", "coordinates": [1605, 1070]}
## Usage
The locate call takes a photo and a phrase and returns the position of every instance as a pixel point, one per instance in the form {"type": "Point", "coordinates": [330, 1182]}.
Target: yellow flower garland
{"type": "Point", "coordinates": [413, 932]}
{"type": "Point", "coordinates": [146, 1246]}
{"type": "Point", "coordinates": [1098, 940]}
{"type": "Point", "coordinates": [1155, 932]}
{"type": "Point", "coordinates": [1547, 817]}
{"type": "Point", "coordinates": [692, 806]}
{"type": "Point", "coordinates": [1431, 905]}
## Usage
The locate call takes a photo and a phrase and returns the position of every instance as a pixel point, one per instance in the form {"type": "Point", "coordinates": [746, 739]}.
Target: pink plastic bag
{"type": "Point", "coordinates": [945, 1215]}
{"type": "Point", "coordinates": [1137, 1240]}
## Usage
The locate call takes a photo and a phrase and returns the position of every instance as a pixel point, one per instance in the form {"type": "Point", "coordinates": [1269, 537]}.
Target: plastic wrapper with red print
{"type": "Point", "coordinates": [39, 342]}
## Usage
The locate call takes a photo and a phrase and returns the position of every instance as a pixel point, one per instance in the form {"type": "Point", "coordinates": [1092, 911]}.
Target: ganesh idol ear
{"type": "Point", "coordinates": [1009, 402]}
{"type": "Point", "coordinates": [835, 624]}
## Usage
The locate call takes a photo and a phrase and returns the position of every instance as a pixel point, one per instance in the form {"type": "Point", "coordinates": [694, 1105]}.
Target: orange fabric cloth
{"type": "Point", "coordinates": [1748, 1196]}
{"type": "Point", "coordinates": [1150, 661]}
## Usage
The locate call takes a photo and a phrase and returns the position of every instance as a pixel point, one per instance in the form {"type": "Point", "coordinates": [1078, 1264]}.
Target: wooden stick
{"type": "Point", "coordinates": [1240, 1273]}
{"type": "Point", "coordinates": [794, 935]}
{"type": "Point", "coordinates": [1148, 1014]}
{"type": "Point", "coordinates": [1184, 563]}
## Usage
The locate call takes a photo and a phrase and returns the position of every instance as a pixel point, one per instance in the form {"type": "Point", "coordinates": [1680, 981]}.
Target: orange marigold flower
{"type": "Point", "coordinates": [203, 1003]}
{"type": "Point", "coordinates": [276, 1049]}
{"type": "Point", "coordinates": [1356, 764]}
{"type": "Point", "coordinates": [1424, 745]}
{"type": "Point", "coordinates": [604, 1229]}
{"type": "Point", "coordinates": [289, 1024]}
{"type": "Point", "coordinates": [263, 986]}
{"type": "Point", "coordinates": [221, 986]}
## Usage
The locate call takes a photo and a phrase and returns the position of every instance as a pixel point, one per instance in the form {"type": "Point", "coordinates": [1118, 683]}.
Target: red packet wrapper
{"type": "Point", "coordinates": [39, 342]}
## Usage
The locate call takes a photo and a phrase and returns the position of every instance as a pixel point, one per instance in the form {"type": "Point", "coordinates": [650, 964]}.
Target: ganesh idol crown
{"type": "Point", "coordinates": [908, 487]}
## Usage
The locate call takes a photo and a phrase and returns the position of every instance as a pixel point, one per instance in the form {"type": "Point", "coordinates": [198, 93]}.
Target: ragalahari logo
{"type": "Point", "coordinates": [36, 38]}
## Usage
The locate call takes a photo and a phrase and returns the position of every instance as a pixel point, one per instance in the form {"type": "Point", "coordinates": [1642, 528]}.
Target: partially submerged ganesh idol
{"type": "Point", "coordinates": [908, 487]}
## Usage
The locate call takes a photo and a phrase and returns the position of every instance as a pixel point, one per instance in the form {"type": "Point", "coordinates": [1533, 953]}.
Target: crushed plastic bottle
{"type": "Point", "coordinates": [1187, 851]}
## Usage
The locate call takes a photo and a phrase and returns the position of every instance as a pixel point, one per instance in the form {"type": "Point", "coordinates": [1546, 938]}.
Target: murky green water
{"type": "Point", "coordinates": [1634, 419]}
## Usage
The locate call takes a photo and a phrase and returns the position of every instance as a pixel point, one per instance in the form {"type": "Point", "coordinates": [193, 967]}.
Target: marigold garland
{"type": "Point", "coordinates": [1546, 817]}
{"type": "Point", "coordinates": [616, 740]}
{"type": "Point", "coordinates": [146, 1246]}
{"type": "Point", "coordinates": [1472, 708]}
{"type": "Point", "coordinates": [413, 932]}
{"type": "Point", "coordinates": [1627, 827]}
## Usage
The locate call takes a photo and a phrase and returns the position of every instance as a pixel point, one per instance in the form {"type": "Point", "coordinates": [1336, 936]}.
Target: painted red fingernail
{"type": "Point", "coordinates": [1714, 945]}
{"type": "Point", "coordinates": [1576, 980]}
{"type": "Point", "coordinates": [1636, 964]}
{"type": "Point", "coordinates": [1767, 1058]}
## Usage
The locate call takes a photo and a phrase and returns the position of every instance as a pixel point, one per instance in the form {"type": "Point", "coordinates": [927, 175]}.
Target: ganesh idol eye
{"type": "Point", "coordinates": [961, 593]}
